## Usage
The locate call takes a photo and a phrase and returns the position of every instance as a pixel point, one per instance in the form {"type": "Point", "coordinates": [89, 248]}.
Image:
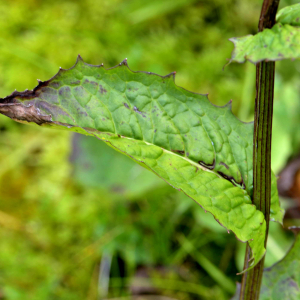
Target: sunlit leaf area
{"type": "Point", "coordinates": [79, 220]}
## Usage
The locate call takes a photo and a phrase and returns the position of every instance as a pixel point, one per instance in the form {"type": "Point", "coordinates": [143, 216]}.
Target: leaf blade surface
{"type": "Point", "coordinates": [199, 148]}
{"type": "Point", "coordinates": [289, 15]}
{"type": "Point", "coordinates": [278, 43]}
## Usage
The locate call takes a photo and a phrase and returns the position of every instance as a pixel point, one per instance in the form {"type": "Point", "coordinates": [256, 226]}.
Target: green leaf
{"type": "Point", "coordinates": [196, 147]}
{"type": "Point", "coordinates": [282, 280]}
{"type": "Point", "coordinates": [278, 43]}
{"type": "Point", "coordinates": [289, 15]}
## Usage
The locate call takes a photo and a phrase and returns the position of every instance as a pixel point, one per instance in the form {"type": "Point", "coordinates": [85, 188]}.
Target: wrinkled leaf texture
{"type": "Point", "coordinates": [195, 146]}
{"type": "Point", "coordinates": [280, 42]}
{"type": "Point", "coordinates": [289, 15]}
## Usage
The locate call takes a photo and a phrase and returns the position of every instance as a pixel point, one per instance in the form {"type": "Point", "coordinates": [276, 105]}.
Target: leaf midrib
{"type": "Point", "coordinates": [89, 131]}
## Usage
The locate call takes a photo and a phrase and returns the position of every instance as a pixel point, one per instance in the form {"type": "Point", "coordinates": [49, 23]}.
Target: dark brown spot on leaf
{"type": "Point", "coordinates": [223, 164]}
{"type": "Point", "coordinates": [21, 113]}
{"type": "Point", "coordinates": [102, 90]}
{"type": "Point", "coordinates": [210, 167]}
{"type": "Point", "coordinates": [139, 112]}
{"type": "Point", "coordinates": [231, 179]}
{"type": "Point", "coordinates": [75, 82]}
{"type": "Point", "coordinates": [178, 151]}
{"type": "Point", "coordinates": [55, 84]}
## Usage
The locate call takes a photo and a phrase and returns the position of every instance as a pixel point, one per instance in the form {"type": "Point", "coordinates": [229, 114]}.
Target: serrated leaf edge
{"type": "Point", "coordinates": [47, 120]}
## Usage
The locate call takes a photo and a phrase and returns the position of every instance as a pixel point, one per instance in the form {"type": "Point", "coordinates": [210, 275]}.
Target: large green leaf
{"type": "Point", "coordinates": [289, 15]}
{"type": "Point", "coordinates": [278, 43]}
{"type": "Point", "coordinates": [199, 148]}
{"type": "Point", "coordinates": [282, 280]}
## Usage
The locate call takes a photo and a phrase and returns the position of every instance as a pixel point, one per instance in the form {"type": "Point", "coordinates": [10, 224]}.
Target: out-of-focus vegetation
{"type": "Point", "coordinates": [78, 220]}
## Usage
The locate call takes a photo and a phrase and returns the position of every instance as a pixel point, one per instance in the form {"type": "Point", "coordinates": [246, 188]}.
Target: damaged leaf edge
{"type": "Point", "coordinates": [45, 120]}
{"type": "Point", "coordinates": [31, 93]}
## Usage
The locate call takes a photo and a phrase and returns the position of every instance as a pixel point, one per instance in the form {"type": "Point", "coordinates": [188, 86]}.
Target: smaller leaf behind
{"type": "Point", "coordinates": [289, 15]}
{"type": "Point", "coordinates": [282, 280]}
{"type": "Point", "coordinates": [278, 43]}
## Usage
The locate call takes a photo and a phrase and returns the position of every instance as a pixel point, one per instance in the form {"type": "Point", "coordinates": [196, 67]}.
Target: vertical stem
{"type": "Point", "coordinates": [251, 281]}
{"type": "Point", "coordinates": [262, 168]}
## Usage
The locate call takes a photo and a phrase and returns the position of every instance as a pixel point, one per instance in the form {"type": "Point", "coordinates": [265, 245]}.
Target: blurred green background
{"type": "Point", "coordinates": [80, 221]}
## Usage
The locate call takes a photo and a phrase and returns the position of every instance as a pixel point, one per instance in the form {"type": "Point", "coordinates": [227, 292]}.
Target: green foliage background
{"type": "Point", "coordinates": [61, 213]}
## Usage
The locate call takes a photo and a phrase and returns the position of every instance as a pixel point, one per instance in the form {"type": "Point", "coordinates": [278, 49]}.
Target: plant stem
{"type": "Point", "coordinates": [251, 281]}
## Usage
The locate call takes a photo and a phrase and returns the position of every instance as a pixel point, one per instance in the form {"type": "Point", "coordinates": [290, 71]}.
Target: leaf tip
{"type": "Point", "coordinates": [61, 70]}
{"type": "Point", "coordinates": [124, 63]}
{"type": "Point", "coordinates": [79, 61]}
{"type": "Point", "coordinates": [227, 64]}
{"type": "Point", "coordinates": [229, 102]}
{"type": "Point", "coordinates": [171, 75]}
{"type": "Point", "coordinates": [228, 105]}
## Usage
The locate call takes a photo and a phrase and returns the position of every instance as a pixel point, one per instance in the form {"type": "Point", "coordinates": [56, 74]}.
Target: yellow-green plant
{"type": "Point", "coordinates": [201, 149]}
